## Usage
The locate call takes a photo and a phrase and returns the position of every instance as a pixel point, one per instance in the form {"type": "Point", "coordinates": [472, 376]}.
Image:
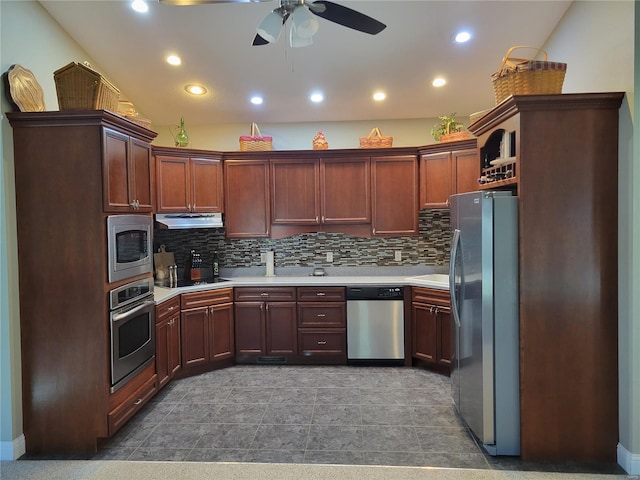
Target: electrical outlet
{"type": "Point", "coordinates": [329, 257]}
{"type": "Point", "coordinates": [398, 256]}
{"type": "Point", "coordinates": [263, 257]}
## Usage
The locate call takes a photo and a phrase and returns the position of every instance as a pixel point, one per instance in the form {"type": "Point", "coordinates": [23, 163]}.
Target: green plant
{"type": "Point", "coordinates": [448, 124]}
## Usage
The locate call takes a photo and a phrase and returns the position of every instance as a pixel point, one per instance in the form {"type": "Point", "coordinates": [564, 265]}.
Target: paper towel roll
{"type": "Point", "coordinates": [270, 265]}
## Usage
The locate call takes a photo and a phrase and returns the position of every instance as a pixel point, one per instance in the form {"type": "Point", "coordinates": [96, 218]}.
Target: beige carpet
{"type": "Point", "coordinates": [117, 470]}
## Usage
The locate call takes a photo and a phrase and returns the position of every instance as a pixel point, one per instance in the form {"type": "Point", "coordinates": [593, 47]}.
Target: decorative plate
{"type": "Point", "coordinates": [25, 90]}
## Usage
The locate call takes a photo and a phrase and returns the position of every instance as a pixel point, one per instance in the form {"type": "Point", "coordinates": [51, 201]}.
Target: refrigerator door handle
{"type": "Point", "coordinates": [455, 242]}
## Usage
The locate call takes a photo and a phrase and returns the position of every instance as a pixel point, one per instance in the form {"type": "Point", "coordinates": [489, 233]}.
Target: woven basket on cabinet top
{"type": "Point", "coordinates": [79, 87]}
{"type": "Point", "coordinates": [256, 141]}
{"type": "Point", "coordinates": [375, 139]}
{"type": "Point", "coordinates": [520, 76]}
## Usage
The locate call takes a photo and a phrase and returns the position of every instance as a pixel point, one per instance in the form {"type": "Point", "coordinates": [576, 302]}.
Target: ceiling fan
{"type": "Point", "coordinates": [303, 22]}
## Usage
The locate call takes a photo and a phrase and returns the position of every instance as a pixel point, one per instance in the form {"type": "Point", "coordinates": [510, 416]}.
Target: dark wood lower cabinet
{"type": "Point", "coordinates": [207, 333]}
{"type": "Point", "coordinates": [167, 340]}
{"type": "Point", "coordinates": [431, 328]}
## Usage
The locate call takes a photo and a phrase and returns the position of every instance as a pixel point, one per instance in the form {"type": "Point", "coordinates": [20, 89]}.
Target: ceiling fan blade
{"type": "Point", "coordinates": [258, 40]}
{"type": "Point", "coordinates": [205, 2]}
{"type": "Point", "coordinates": [346, 17]}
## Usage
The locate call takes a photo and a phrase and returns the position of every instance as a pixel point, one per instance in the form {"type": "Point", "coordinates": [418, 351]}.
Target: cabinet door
{"type": "Point", "coordinates": [465, 166]}
{"type": "Point", "coordinates": [221, 337]}
{"type": "Point", "coordinates": [295, 192]}
{"type": "Point", "coordinates": [346, 190]}
{"type": "Point", "coordinates": [162, 352]}
{"type": "Point", "coordinates": [424, 332]}
{"type": "Point", "coordinates": [141, 175]}
{"type": "Point", "coordinates": [445, 337]}
{"type": "Point", "coordinates": [249, 328]}
{"type": "Point", "coordinates": [115, 172]}
{"type": "Point", "coordinates": [395, 195]}
{"type": "Point", "coordinates": [194, 329]}
{"type": "Point", "coordinates": [206, 178]}
{"type": "Point", "coordinates": [246, 193]}
{"type": "Point", "coordinates": [172, 184]}
{"type": "Point", "coordinates": [281, 328]}
{"type": "Point", "coordinates": [435, 180]}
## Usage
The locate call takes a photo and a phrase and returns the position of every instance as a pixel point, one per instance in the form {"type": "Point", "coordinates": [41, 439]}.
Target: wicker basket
{"type": "Point", "coordinates": [520, 76]}
{"type": "Point", "coordinates": [256, 141]}
{"type": "Point", "coordinates": [81, 88]}
{"type": "Point", "coordinates": [454, 137]}
{"type": "Point", "coordinates": [375, 139]}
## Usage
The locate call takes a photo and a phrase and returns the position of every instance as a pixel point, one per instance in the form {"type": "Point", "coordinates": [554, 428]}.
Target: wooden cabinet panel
{"type": "Point", "coordinates": [465, 166]}
{"type": "Point", "coordinates": [273, 294]}
{"type": "Point", "coordinates": [395, 195]}
{"type": "Point", "coordinates": [221, 330]}
{"type": "Point", "coordinates": [435, 180]}
{"type": "Point", "coordinates": [206, 180]}
{"type": "Point", "coordinates": [281, 328]}
{"type": "Point", "coordinates": [346, 190]}
{"type": "Point", "coordinates": [206, 298]}
{"type": "Point", "coordinates": [185, 184]}
{"type": "Point", "coordinates": [131, 404]}
{"type": "Point", "coordinates": [321, 294]}
{"type": "Point", "coordinates": [195, 335]}
{"type": "Point", "coordinates": [127, 180]}
{"type": "Point", "coordinates": [322, 341]}
{"type": "Point", "coordinates": [246, 194]}
{"type": "Point", "coordinates": [295, 192]}
{"type": "Point", "coordinates": [249, 328]}
{"type": "Point", "coordinates": [431, 334]}
{"type": "Point", "coordinates": [322, 314]}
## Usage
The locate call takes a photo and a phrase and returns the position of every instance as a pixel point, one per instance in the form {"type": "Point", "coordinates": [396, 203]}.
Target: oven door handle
{"type": "Point", "coordinates": [121, 316]}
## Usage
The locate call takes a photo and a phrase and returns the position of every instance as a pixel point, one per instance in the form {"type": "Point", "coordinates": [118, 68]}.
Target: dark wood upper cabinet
{"type": "Point", "coordinates": [346, 190]}
{"type": "Point", "coordinates": [128, 173]}
{"type": "Point", "coordinates": [394, 190]}
{"type": "Point", "coordinates": [188, 181]}
{"type": "Point", "coordinates": [246, 193]}
{"type": "Point", "coordinates": [295, 192]}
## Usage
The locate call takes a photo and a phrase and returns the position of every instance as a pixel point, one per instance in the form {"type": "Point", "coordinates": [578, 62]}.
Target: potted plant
{"type": "Point", "coordinates": [449, 129]}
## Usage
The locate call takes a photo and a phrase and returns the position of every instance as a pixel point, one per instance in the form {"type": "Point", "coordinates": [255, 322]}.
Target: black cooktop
{"type": "Point", "coordinates": [183, 282]}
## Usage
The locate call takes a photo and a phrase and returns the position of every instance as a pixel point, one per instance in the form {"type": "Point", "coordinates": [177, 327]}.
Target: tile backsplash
{"type": "Point", "coordinates": [430, 247]}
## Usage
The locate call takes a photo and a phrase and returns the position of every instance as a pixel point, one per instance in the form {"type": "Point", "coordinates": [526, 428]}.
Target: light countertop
{"type": "Point", "coordinates": [430, 280]}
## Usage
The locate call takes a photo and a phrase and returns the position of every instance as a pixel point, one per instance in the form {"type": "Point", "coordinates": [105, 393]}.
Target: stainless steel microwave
{"type": "Point", "coordinates": [129, 245]}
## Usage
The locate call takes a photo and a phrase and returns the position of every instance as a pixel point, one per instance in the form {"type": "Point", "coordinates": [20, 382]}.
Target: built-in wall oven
{"type": "Point", "coordinates": [132, 327]}
{"type": "Point", "coordinates": [129, 240]}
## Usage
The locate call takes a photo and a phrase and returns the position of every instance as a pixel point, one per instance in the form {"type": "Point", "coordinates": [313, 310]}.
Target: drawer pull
{"type": "Point", "coordinates": [320, 294]}
{"type": "Point", "coordinates": [138, 402]}
{"type": "Point", "coordinates": [321, 315]}
{"type": "Point", "coordinates": [264, 294]}
{"type": "Point", "coordinates": [322, 342]}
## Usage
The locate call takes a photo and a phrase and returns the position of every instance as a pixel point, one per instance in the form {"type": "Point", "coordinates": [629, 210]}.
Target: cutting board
{"type": "Point", "coordinates": [162, 260]}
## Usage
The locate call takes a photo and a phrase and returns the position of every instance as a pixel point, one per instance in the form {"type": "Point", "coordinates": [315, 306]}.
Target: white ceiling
{"type": "Point", "coordinates": [214, 42]}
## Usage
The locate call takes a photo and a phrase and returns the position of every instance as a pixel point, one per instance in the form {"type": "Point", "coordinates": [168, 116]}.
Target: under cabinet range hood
{"type": "Point", "coordinates": [189, 220]}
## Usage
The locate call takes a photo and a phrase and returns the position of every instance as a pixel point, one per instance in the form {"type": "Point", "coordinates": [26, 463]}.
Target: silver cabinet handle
{"type": "Point", "coordinates": [138, 402]}
{"type": "Point", "coordinates": [320, 294]}
{"type": "Point", "coordinates": [264, 294]}
{"type": "Point", "coordinates": [322, 342]}
{"type": "Point", "coordinates": [321, 315]}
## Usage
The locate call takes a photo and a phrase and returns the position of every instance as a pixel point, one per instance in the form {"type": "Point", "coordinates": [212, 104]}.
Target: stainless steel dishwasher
{"type": "Point", "coordinates": [375, 324]}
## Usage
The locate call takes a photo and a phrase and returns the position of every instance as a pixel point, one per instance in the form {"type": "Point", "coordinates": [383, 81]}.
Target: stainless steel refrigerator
{"type": "Point", "coordinates": [483, 281]}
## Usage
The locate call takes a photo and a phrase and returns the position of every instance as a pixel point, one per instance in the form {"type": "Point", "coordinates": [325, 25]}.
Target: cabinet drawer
{"type": "Point", "coordinates": [431, 296]}
{"type": "Point", "coordinates": [168, 308]}
{"type": "Point", "coordinates": [271, 294]}
{"type": "Point", "coordinates": [321, 294]}
{"type": "Point", "coordinates": [327, 314]}
{"type": "Point", "coordinates": [322, 340]}
{"type": "Point", "coordinates": [123, 412]}
{"type": "Point", "coordinates": [207, 297]}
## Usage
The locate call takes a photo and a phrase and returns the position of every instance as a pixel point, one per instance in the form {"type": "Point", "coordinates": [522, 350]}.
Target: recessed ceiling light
{"type": "Point", "coordinates": [140, 6]}
{"type": "Point", "coordinates": [462, 37]}
{"type": "Point", "coordinates": [379, 96]}
{"type": "Point", "coordinates": [257, 100]}
{"type": "Point", "coordinates": [439, 82]}
{"type": "Point", "coordinates": [174, 60]}
{"type": "Point", "coordinates": [194, 89]}
{"type": "Point", "coordinates": [316, 97]}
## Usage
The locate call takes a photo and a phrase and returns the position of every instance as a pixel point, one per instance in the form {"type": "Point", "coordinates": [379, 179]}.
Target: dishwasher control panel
{"type": "Point", "coordinates": [371, 292]}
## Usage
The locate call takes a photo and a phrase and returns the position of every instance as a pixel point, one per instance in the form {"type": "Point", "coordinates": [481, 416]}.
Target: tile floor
{"type": "Point", "coordinates": [311, 415]}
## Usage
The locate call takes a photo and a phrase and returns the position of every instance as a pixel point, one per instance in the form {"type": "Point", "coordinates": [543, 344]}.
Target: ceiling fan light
{"type": "Point", "coordinates": [305, 23]}
{"type": "Point", "coordinates": [297, 41]}
{"type": "Point", "coordinates": [271, 26]}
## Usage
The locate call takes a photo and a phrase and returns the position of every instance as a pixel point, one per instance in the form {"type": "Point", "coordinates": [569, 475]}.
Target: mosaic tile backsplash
{"type": "Point", "coordinates": [430, 247]}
